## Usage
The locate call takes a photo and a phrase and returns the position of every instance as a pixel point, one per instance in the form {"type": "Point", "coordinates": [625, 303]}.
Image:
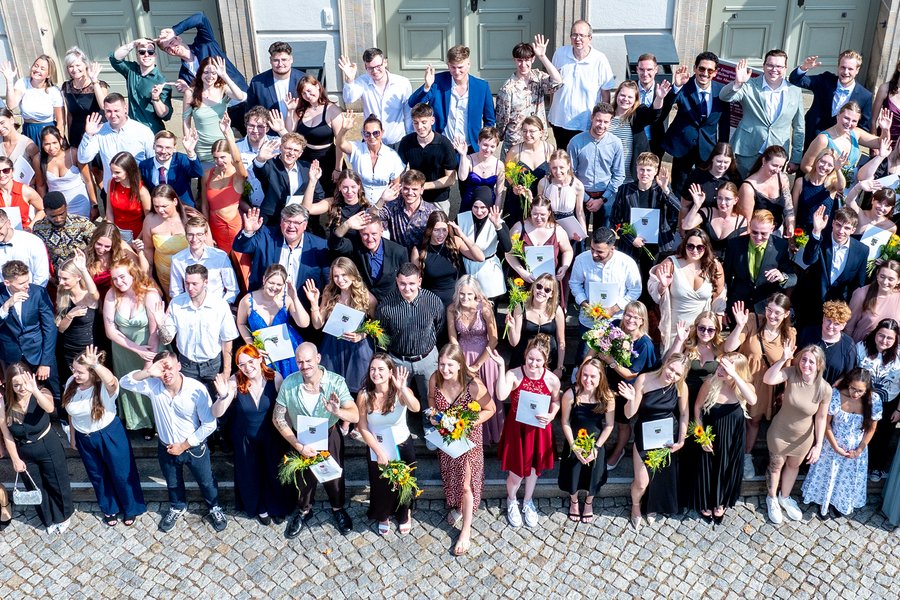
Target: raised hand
{"type": "Point", "coordinates": [461, 146]}
{"type": "Point", "coordinates": [698, 196]}
{"type": "Point", "coordinates": [91, 356]}
{"type": "Point", "coordinates": [93, 71]}
{"type": "Point", "coordinates": [681, 76]}
{"type": "Point", "coordinates": [93, 123]}
{"type": "Point", "coordinates": [252, 221]}
{"type": "Point", "coordinates": [429, 77]}
{"type": "Point", "coordinates": [662, 177]}
{"type": "Point", "coordinates": [222, 384]}
{"type": "Point", "coordinates": [809, 63]}
{"type": "Point", "coordinates": [190, 138]}
{"type": "Point", "coordinates": [311, 291]}
{"type": "Point", "coordinates": [626, 390]}
{"type": "Point", "coordinates": [741, 315]}
{"type": "Point", "coordinates": [79, 260]}
{"type": "Point", "coordinates": [728, 367]}
{"type": "Point", "coordinates": [225, 125]}
{"type": "Point", "coordinates": [347, 123]}
{"type": "Point", "coordinates": [137, 244]}
{"type": "Point", "coordinates": [291, 102]}
{"type": "Point", "coordinates": [267, 150]}
{"type": "Point", "coordinates": [78, 311]}
{"type": "Point", "coordinates": [348, 68]}
{"type": "Point", "coordinates": [885, 118]}
{"type": "Point", "coordinates": [682, 331]}
{"type": "Point", "coordinates": [166, 34]}
{"type": "Point", "coordinates": [315, 171]}
{"type": "Point", "coordinates": [391, 192]}
{"type": "Point", "coordinates": [333, 404]}
{"type": "Point", "coordinates": [820, 220]}
{"type": "Point", "coordinates": [495, 356]}
{"type": "Point", "coordinates": [788, 351]}
{"type": "Point", "coordinates": [182, 86]}
{"type": "Point", "coordinates": [156, 91]}
{"type": "Point", "coordinates": [885, 146]}
{"type": "Point", "coordinates": [276, 120]}
{"type": "Point", "coordinates": [218, 63]}
{"type": "Point", "coordinates": [869, 185]}
{"type": "Point", "coordinates": [494, 216]}
{"type": "Point", "coordinates": [400, 376]}
{"type": "Point", "coordinates": [663, 88]}
{"type": "Point", "coordinates": [540, 45]}
{"type": "Point", "coordinates": [292, 291]}
{"type": "Point", "coordinates": [665, 272]}
{"type": "Point", "coordinates": [742, 72]}
{"type": "Point", "coordinates": [8, 71]}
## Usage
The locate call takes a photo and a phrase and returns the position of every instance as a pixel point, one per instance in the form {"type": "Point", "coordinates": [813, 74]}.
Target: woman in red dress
{"type": "Point", "coordinates": [128, 199]}
{"type": "Point", "coordinates": [526, 450]}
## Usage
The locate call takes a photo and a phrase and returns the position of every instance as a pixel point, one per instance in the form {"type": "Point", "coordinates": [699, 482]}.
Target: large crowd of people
{"type": "Point", "coordinates": [281, 290]}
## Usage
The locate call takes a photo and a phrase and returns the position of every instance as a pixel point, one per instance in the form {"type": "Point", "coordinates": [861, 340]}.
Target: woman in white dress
{"type": "Point", "coordinates": [484, 225]}
{"type": "Point", "coordinates": [687, 284]}
{"type": "Point", "coordinates": [65, 174]}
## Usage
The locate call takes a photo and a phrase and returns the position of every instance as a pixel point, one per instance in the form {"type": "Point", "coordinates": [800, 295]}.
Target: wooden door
{"type": "Point", "coordinates": [747, 28]}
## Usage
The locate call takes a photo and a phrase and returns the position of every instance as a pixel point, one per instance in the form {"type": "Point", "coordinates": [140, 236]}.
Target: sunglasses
{"type": "Point", "coordinates": [543, 288]}
{"type": "Point", "coordinates": [702, 329]}
{"type": "Point", "coordinates": [147, 52]}
{"type": "Point", "coordinates": [695, 247]}
{"type": "Point", "coordinates": [6, 170]}
{"type": "Point", "coordinates": [705, 69]}
{"type": "Point", "coordinates": [374, 134]}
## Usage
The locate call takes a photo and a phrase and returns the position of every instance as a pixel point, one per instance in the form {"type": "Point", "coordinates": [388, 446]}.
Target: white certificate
{"type": "Point", "coordinates": [573, 228]}
{"type": "Point", "coordinates": [385, 438]}
{"type": "Point", "coordinates": [277, 341]}
{"type": "Point", "coordinates": [326, 470]}
{"type": "Point", "coordinates": [646, 223]}
{"type": "Point", "coordinates": [541, 259]}
{"type": "Point", "coordinates": [312, 432]}
{"type": "Point", "coordinates": [889, 181]}
{"type": "Point", "coordinates": [530, 406]}
{"type": "Point", "coordinates": [874, 238]}
{"type": "Point", "coordinates": [659, 433]}
{"type": "Point", "coordinates": [23, 171]}
{"type": "Point", "coordinates": [605, 294]}
{"type": "Point", "coordinates": [343, 319]}
{"type": "Point", "coordinates": [15, 216]}
{"type": "Point", "coordinates": [454, 449]}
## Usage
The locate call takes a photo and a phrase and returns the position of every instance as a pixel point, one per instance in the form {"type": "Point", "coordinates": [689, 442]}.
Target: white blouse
{"type": "Point", "coordinates": [79, 409]}
{"type": "Point", "coordinates": [37, 104]}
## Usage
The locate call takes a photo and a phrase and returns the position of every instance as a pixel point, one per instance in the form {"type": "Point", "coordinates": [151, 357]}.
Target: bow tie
{"type": "Point", "coordinates": [7, 244]}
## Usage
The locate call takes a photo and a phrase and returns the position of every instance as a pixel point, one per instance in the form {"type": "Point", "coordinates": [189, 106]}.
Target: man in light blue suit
{"type": "Point", "coordinates": [462, 104]}
{"type": "Point", "coordinates": [773, 112]}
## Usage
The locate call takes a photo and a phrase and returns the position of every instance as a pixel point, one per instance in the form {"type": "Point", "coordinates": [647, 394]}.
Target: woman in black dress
{"type": "Point", "coordinates": [660, 395]}
{"type": "Point", "coordinates": [77, 300]}
{"type": "Point", "coordinates": [721, 168]}
{"type": "Point", "coordinates": [588, 406]}
{"type": "Point", "coordinates": [440, 255]}
{"type": "Point", "coordinates": [246, 402]}
{"type": "Point", "coordinates": [720, 221]}
{"type": "Point", "coordinates": [83, 92]}
{"type": "Point", "coordinates": [541, 313]}
{"type": "Point", "coordinates": [719, 469]}
{"type": "Point", "coordinates": [767, 188]}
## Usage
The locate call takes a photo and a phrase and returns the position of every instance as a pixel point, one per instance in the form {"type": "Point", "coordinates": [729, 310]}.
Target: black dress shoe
{"type": "Point", "coordinates": [264, 520]}
{"type": "Point", "coordinates": [295, 524]}
{"type": "Point", "coordinates": [343, 521]}
{"type": "Point", "coordinates": [278, 520]}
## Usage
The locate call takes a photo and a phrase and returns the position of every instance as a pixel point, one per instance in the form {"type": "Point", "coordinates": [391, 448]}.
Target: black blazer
{"type": "Point", "coordinates": [276, 187]}
{"type": "Point", "coordinates": [394, 256]}
{"type": "Point", "coordinates": [31, 337]}
{"type": "Point", "coordinates": [818, 117]}
{"type": "Point", "coordinates": [751, 291]}
{"type": "Point", "coordinates": [262, 88]}
{"type": "Point", "coordinates": [688, 129]}
{"type": "Point", "coordinates": [815, 285]}
{"type": "Point", "coordinates": [668, 205]}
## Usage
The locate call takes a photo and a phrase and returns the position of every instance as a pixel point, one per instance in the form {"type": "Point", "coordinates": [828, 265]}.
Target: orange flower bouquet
{"type": "Point", "coordinates": [294, 464]}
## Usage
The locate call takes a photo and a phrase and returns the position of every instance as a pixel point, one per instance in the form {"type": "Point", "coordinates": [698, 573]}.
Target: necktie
{"type": "Point", "coordinates": [840, 99]}
{"type": "Point", "coordinates": [704, 107]}
{"type": "Point", "coordinates": [162, 175]}
{"type": "Point", "coordinates": [755, 260]}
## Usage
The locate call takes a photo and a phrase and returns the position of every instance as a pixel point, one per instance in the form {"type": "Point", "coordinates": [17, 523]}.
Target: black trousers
{"type": "Point", "coordinates": [335, 489]}
{"type": "Point", "coordinates": [880, 455]}
{"type": "Point", "coordinates": [563, 136]}
{"type": "Point", "coordinates": [45, 460]}
{"type": "Point", "coordinates": [681, 168]}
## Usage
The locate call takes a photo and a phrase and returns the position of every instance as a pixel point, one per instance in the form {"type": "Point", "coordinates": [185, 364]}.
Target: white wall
{"type": "Point", "coordinates": [612, 19]}
{"type": "Point", "coordinates": [298, 20]}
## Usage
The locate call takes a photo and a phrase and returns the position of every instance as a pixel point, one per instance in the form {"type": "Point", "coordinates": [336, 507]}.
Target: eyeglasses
{"type": "Point", "coordinates": [251, 126]}
{"type": "Point", "coordinates": [580, 35]}
{"type": "Point", "coordinates": [542, 288]}
{"type": "Point", "coordinates": [293, 223]}
{"type": "Point", "coordinates": [6, 170]}
{"type": "Point", "coordinates": [377, 67]}
{"type": "Point", "coordinates": [702, 329]}
{"type": "Point", "coordinates": [373, 134]}
{"type": "Point", "coordinates": [695, 247]}
{"type": "Point", "coordinates": [705, 69]}
{"type": "Point", "coordinates": [244, 365]}
{"type": "Point", "coordinates": [775, 67]}
{"type": "Point", "coordinates": [856, 391]}
{"type": "Point", "coordinates": [147, 52]}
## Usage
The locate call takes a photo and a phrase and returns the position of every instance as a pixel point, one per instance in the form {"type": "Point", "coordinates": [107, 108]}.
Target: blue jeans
{"type": "Point", "coordinates": [197, 460]}
{"type": "Point", "coordinates": [420, 372]}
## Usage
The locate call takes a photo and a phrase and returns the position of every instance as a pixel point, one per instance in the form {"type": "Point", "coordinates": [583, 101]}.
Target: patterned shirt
{"type": "Point", "coordinates": [62, 241]}
{"type": "Point", "coordinates": [291, 397]}
{"type": "Point", "coordinates": [520, 98]}
{"type": "Point", "coordinates": [406, 230]}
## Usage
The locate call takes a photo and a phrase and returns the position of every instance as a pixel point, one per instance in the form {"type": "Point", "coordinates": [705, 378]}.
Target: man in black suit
{"type": "Point", "coordinates": [378, 259]}
{"type": "Point", "coordinates": [837, 265]}
{"type": "Point", "coordinates": [757, 265]}
{"type": "Point", "coordinates": [283, 175]}
{"type": "Point", "coordinates": [647, 68]}
{"type": "Point", "coordinates": [702, 120]}
{"type": "Point", "coordinates": [832, 91]}
{"type": "Point", "coordinates": [27, 329]}
{"type": "Point", "coordinates": [270, 88]}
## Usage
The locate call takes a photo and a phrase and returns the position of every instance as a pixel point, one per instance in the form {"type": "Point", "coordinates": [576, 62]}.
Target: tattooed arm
{"type": "Point", "coordinates": [280, 420]}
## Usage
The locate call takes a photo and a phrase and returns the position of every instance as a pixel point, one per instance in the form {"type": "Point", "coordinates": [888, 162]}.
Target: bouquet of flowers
{"type": "Point", "coordinates": [584, 442]}
{"type": "Point", "coordinates": [400, 476]}
{"type": "Point", "coordinates": [890, 251]}
{"type": "Point", "coordinates": [657, 459]}
{"type": "Point", "coordinates": [294, 464]}
{"type": "Point", "coordinates": [606, 338]}
{"type": "Point", "coordinates": [595, 312]}
{"type": "Point", "coordinates": [517, 174]}
{"type": "Point", "coordinates": [456, 422]}
{"type": "Point", "coordinates": [517, 296]}
{"type": "Point", "coordinates": [260, 342]}
{"type": "Point", "coordinates": [372, 328]}
{"type": "Point", "coordinates": [702, 435]}
{"type": "Point", "coordinates": [518, 248]}
{"type": "Point", "coordinates": [801, 238]}
{"type": "Point", "coordinates": [628, 229]}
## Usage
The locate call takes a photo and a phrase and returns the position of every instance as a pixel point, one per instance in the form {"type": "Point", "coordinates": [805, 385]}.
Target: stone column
{"type": "Point", "coordinates": [238, 36]}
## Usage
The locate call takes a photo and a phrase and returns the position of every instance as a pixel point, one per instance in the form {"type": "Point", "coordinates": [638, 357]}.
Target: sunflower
{"type": "Point", "coordinates": [582, 433]}
{"type": "Point", "coordinates": [698, 430]}
{"type": "Point", "coordinates": [474, 406]}
{"type": "Point", "coordinates": [519, 281]}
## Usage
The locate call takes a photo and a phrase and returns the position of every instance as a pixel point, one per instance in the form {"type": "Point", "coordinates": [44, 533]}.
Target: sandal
{"type": "Point", "coordinates": [111, 520]}
{"type": "Point", "coordinates": [588, 515]}
{"type": "Point", "coordinates": [405, 528]}
{"type": "Point", "coordinates": [128, 521]}
{"type": "Point", "coordinates": [462, 547]}
{"type": "Point", "coordinates": [574, 514]}
{"type": "Point", "coordinates": [384, 527]}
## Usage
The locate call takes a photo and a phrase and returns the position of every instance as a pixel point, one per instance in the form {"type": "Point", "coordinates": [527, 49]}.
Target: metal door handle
{"type": "Point", "coordinates": [800, 3]}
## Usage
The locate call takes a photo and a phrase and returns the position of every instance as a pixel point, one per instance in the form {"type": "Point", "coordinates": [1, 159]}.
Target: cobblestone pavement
{"type": "Point", "coordinates": [674, 558]}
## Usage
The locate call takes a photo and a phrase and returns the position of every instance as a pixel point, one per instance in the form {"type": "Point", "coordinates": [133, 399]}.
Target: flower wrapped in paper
{"type": "Point", "coordinates": [373, 329]}
{"type": "Point", "coordinates": [606, 338]}
{"type": "Point", "coordinates": [400, 476]}
{"type": "Point", "coordinates": [294, 464]}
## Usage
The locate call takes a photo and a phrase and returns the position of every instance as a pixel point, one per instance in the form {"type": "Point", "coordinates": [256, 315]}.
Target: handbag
{"type": "Point", "coordinates": [26, 497]}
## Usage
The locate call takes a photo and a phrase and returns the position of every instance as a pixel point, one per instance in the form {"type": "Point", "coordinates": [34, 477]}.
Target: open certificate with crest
{"type": "Point", "coordinates": [646, 223]}
{"type": "Point", "coordinates": [659, 433]}
{"type": "Point", "coordinates": [23, 172]}
{"type": "Point", "coordinates": [453, 449]}
{"type": "Point", "coordinates": [326, 470]}
{"type": "Point", "coordinates": [604, 294]}
{"type": "Point", "coordinates": [874, 238]}
{"type": "Point", "coordinates": [530, 406]}
{"type": "Point", "coordinates": [541, 259]}
{"type": "Point", "coordinates": [385, 437]}
{"type": "Point", "coordinates": [343, 319]}
{"type": "Point", "coordinates": [313, 432]}
{"type": "Point", "coordinates": [277, 341]}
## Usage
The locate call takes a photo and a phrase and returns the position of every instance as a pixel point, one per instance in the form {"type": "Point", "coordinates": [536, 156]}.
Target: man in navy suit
{"type": "Point", "coordinates": [282, 176]}
{"type": "Point", "coordinates": [27, 329]}
{"type": "Point", "coordinates": [831, 92]}
{"type": "Point", "coordinates": [360, 238]}
{"type": "Point", "coordinates": [203, 46]}
{"type": "Point", "coordinates": [702, 120]}
{"type": "Point", "coordinates": [837, 265]}
{"type": "Point", "coordinates": [304, 255]}
{"type": "Point", "coordinates": [271, 88]}
{"type": "Point", "coordinates": [168, 166]}
{"type": "Point", "coordinates": [447, 92]}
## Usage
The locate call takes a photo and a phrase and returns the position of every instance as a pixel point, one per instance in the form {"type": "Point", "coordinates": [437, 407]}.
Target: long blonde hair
{"type": "Point", "coordinates": [692, 343]}
{"type": "Point", "coordinates": [680, 385]}
{"type": "Point", "coordinates": [472, 283]}
{"type": "Point", "coordinates": [64, 299]}
{"type": "Point", "coordinates": [359, 293]}
{"type": "Point", "coordinates": [742, 368]}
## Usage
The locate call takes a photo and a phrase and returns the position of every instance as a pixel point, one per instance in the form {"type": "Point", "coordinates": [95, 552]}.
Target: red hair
{"type": "Point", "coordinates": [243, 383]}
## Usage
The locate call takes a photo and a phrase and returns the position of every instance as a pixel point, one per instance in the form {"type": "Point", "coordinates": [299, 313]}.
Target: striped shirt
{"type": "Point", "coordinates": [412, 326]}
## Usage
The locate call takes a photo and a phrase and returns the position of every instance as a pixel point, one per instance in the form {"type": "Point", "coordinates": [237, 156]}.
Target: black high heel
{"type": "Point", "coordinates": [5, 524]}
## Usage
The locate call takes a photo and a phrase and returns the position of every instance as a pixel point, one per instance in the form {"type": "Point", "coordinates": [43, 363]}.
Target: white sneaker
{"type": "Point", "coordinates": [791, 510]}
{"type": "Point", "coordinates": [61, 528]}
{"type": "Point", "coordinates": [53, 529]}
{"type": "Point", "coordinates": [774, 510]}
{"type": "Point", "coordinates": [876, 476]}
{"type": "Point", "coordinates": [530, 514]}
{"type": "Point", "coordinates": [749, 469]}
{"type": "Point", "coordinates": [512, 513]}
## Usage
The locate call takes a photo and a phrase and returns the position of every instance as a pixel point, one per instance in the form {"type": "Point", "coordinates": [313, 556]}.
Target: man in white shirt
{"type": "Point", "coordinates": [182, 410]}
{"type": "Point", "coordinates": [587, 80]}
{"type": "Point", "coordinates": [383, 94]}
{"type": "Point", "coordinates": [204, 327]}
{"type": "Point", "coordinates": [602, 264]}
{"type": "Point", "coordinates": [25, 246]}
{"type": "Point", "coordinates": [118, 134]}
{"type": "Point", "coordinates": [258, 121]}
{"type": "Point", "coordinates": [222, 280]}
